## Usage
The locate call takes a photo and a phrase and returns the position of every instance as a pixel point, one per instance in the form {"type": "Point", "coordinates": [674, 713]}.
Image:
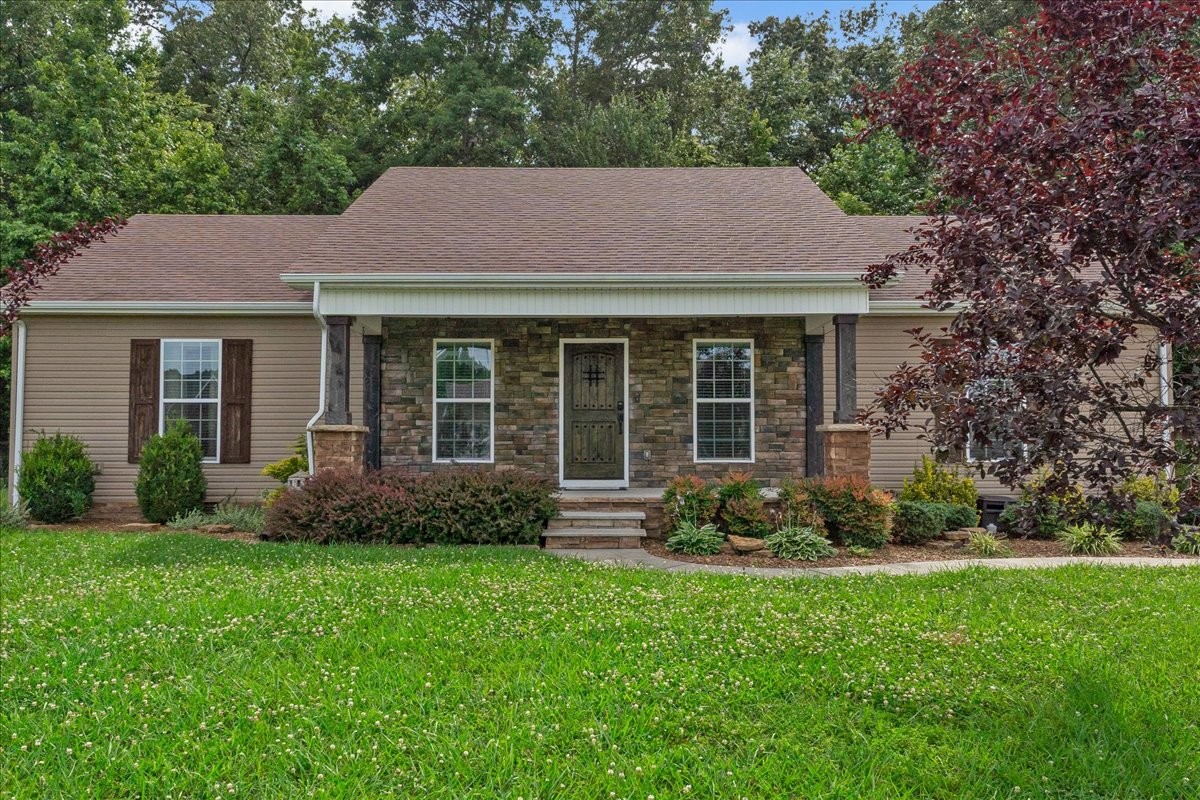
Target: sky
{"type": "Point", "coordinates": [738, 43]}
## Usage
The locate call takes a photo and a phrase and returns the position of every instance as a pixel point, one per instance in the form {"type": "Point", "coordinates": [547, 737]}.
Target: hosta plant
{"type": "Point", "coordinates": [799, 543]}
{"type": "Point", "coordinates": [987, 545]}
{"type": "Point", "coordinates": [695, 540]}
{"type": "Point", "coordinates": [1086, 539]}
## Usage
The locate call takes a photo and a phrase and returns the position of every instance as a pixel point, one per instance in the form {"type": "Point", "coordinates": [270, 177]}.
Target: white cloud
{"type": "Point", "coordinates": [330, 8]}
{"type": "Point", "coordinates": [736, 46]}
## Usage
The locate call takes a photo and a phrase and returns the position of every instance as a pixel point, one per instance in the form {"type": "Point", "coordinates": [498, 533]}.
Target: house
{"type": "Point", "coordinates": [608, 328]}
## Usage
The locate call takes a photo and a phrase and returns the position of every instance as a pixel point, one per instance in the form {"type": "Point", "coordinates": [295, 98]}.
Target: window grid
{"type": "Point", "coordinates": [723, 395]}
{"type": "Point", "coordinates": [464, 395]}
{"type": "Point", "coordinates": [190, 389]}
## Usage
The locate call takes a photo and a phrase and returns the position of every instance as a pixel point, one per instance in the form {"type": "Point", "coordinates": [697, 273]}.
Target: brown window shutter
{"type": "Point", "coordinates": [143, 394]}
{"type": "Point", "coordinates": [237, 370]}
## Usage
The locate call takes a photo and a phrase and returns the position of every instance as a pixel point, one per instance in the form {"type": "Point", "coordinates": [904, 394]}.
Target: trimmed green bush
{"type": "Point", "coordinates": [1146, 520]}
{"type": "Point", "coordinates": [1090, 540]}
{"type": "Point", "coordinates": [855, 512]}
{"type": "Point", "coordinates": [800, 543]}
{"type": "Point", "coordinates": [56, 479]}
{"type": "Point", "coordinates": [689, 498]}
{"type": "Point", "coordinates": [960, 516]}
{"type": "Point", "coordinates": [917, 523]}
{"type": "Point", "coordinates": [171, 480]}
{"type": "Point", "coordinates": [695, 540]}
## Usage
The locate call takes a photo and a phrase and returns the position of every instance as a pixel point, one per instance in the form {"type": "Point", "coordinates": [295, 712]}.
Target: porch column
{"type": "Point", "coordinates": [337, 375]}
{"type": "Point", "coordinates": [846, 368]}
{"type": "Point", "coordinates": [814, 398]}
{"type": "Point", "coordinates": [847, 444]}
{"type": "Point", "coordinates": [371, 398]}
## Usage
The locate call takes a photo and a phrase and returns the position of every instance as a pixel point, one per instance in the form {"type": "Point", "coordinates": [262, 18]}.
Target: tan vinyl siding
{"type": "Point", "coordinates": [77, 381]}
{"type": "Point", "coordinates": [883, 345]}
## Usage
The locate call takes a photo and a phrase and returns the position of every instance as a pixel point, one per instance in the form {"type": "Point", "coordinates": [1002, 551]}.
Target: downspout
{"type": "Point", "coordinates": [1164, 392]}
{"type": "Point", "coordinates": [321, 392]}
{"type": "Point", "coordinates": [18, 411]}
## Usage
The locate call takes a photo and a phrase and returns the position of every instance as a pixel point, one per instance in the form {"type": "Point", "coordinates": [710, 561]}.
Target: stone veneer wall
{"type": "Point", "coordinates": [660, 391]}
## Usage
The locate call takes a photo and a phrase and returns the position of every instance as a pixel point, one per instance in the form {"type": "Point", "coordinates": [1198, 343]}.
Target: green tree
{"type": "Point", "coordinates": [878, 174]}
{"type": "Point", "coordinates": [959, 18]}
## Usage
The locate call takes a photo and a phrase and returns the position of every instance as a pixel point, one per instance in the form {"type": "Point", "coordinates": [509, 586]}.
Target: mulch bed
{"type": "Point", "coordinates": [900, 554]}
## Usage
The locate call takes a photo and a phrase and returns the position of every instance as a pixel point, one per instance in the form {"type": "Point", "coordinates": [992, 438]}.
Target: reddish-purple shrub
{"type": "Point", "coordinates": [341, 506]}
{"type": "Point", "coordinates": [855, 512]}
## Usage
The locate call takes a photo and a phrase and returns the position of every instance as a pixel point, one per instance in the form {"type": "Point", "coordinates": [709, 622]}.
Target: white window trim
{"type": "Point", "coordinates": [491, 401]}
{"type": "Point", "coordinates": [696, 401]}
{"type": "Point", "coordinates": [162, 385]}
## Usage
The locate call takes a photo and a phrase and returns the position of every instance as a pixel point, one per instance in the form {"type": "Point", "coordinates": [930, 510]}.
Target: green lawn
{"type": "Point", "coordinates": [178, 666]}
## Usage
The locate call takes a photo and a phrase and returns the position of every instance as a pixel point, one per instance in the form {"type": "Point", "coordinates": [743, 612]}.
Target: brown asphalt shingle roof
{"type": "Point", "coordinates": [462, 220]}
{"type": "Point", "coordinates": [894, 235]}
{"type": "Point", "coordinates": [189, 258]}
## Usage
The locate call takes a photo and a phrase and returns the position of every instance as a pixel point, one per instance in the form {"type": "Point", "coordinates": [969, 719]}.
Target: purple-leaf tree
{"type": "Point", "coordinates": [27, 275]}
{"type": "Point", "coordinates": [1068, 157]}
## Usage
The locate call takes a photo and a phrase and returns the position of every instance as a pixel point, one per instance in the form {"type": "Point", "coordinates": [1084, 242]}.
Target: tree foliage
{"type": "Point", "coordinates": [1069, 158]}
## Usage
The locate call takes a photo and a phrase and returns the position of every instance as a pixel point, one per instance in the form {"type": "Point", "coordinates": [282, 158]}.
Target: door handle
{"type": "Point", "coordinates": [620, 416]}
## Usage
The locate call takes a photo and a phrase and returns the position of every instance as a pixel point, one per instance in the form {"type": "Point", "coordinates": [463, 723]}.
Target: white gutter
{"type": "Point", "coordinates": [18, 412]}
{"type": "Point", "coordinates": [1164, 392]}
{"type": "Point", "coordinates": [308, 437]}
{"type": "Point", "coordinates": [143, 308]}
{"type": "Point", "coordinates": [478, 280]}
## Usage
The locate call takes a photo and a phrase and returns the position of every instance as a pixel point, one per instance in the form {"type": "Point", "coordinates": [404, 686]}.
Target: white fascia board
{"type": "Point", "coordinates": [151, 308]}
{"type": "Point", "coordinates": [543, 280]}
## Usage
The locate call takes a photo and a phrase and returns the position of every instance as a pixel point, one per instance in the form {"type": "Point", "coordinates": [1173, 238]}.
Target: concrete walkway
{"type": "Point", "coordinates": [640, 558]}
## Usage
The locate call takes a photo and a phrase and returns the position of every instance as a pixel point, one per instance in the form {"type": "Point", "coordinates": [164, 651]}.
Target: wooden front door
{"type": "Point", "coordinates": [593, 385]}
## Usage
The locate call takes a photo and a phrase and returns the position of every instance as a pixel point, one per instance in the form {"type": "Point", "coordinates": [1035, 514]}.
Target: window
{"type": "Point", "coordinates": [191, 390]}
{"type": "Point", "coordinates": [724, 401]}
{"type": "Point", "coordinates": [463, 395]}
{"type": "Point", "coordinates": [990, 391]}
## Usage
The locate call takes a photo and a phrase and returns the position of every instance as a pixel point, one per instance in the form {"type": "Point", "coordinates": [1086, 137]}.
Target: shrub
{"type": "Point", "coordinates": [12, 518]}
{"type": "Point", "coordinates": [1090, 540]}
{"type": "Point", "coordinates": [1187, 541]}
{"type": "Point", "coordinates": [986, 545]}
{"type": "Point", "coordinates": [170, 480]}
{"type": "Point", "coordinates": [746, 517]}
{"type": "Point", "coordinates": [917, 523]}
{"type": "Point", "coordinates": [738, 486]}
{"type": "Point", "coordinates": [57, 478]}
{"type": "Point", "coordinates": [1153, 489]}
{"type": "Point", "coordinates": [468, 506]}
{"type": "Point", "coordinates": [1042, 513]}
{"type": "Point", "coordinates": [189, 521]}
{"type": "Point", "coordinates": [695, 540]}
{"type": "Point", "coordinates": [285, 468]}
{"type": "Point", "coordinates": [799, 543]}
{"type": "Point", "coordinates": [797, 508]}
{"type": "Point", "coordinates": [855, 512]}
{"type": "Point", "coordinates": [688, 498]}
{"type": "Point", "coordinates": [340, 506]}
{"type": "Point", "coordinates": [960, 516]}
{"type": "Point", "coordinates": [933, 483]}
{"type": "Point", "coordinates": [1146, 520]}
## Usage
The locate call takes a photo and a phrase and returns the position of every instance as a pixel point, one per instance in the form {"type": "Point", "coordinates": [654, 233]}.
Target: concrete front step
{"type": "Point", "coordinates": [618, 538]}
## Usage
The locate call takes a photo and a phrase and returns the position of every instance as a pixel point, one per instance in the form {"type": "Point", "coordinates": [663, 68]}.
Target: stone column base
{"type": "Point", "coordinates": [847, 450]}
{"type": "Point", "coordinates": [338, 447]}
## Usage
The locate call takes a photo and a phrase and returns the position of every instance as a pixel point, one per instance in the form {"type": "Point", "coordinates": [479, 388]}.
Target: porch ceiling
{"type": "Point", "coordinates": [647, 295]}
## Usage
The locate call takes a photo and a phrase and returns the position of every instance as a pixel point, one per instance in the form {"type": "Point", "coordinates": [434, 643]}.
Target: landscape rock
{"type": "Point", "coordinates": [746, 544]}
{"type": "Point", "coordinates": [936, 545]}
{"type": "Point", "coordinates": [956, 536]}
{"type": "Point", "coordinates": [216, 528]}
{"type": "Point", "coordinates": [726, 549]}
{"type": "Point", "coordinates": [140, 526]}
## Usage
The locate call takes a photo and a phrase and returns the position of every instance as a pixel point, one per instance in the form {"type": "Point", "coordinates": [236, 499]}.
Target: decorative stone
{"type": "Point", "coordinates": [339, 446]}
{"type": "Point", "coordinates": [936, 545]}
{"type": "Point", "coordinates": [140, 526]}
{"type": "Point", "coordinates": [218, 527]}
{"type": "Point", "coordinates": [976, 530]}
{"type": "Point", "coordinates": [847, 450]}
{"type": "Point", "coordinates": [726, 549]}
{"type": "Point", "coordinates": [746, 544]}
{"type": "Point", "coordinates": [956, 536]}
